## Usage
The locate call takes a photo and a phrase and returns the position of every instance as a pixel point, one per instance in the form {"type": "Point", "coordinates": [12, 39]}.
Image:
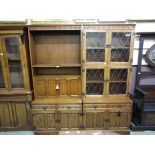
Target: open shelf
{"type": "Point", "coordinates": [57, 71]}
{"type": "Point", "coordinates": [55, 47]}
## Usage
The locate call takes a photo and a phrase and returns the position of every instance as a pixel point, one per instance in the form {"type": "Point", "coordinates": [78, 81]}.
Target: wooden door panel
{"type": "Point", "coordinates": [39, 120]}
{"type": "Point", "coordinates": [74, 120]}
{"type": "Point", "coordinates": [52, 87]}
{"type": "Point", "coordinates": [64, 119]}
{"type": "Point", "coordinates": [20, 111]}
{"type": "Point", "coordinates": [39, 87]}
{"type": "Point", "coordinates": [124, 120]}
{"type": "Point", "coordinates": [6, 117]}
{"type": "Point", "coordinates": [51, 123]}
{"type": "Point", "coordinates": [75, 87]}
{"type": "Point", "coordinates": [100, 119]}
{"type": "Point", "coordinates": [63, 84]}
{"type": "Point", "coordinates": [113, 119]}
{"type": "Point", "coordinates": [89, 120]}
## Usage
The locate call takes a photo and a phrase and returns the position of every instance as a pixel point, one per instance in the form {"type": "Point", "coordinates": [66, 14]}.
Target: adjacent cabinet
{"type": "Point", "coordinates": [15, 90]}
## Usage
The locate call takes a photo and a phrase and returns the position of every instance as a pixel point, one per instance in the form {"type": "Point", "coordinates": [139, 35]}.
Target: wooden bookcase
{"type": "Point", "coordinates": [81, 76]}
{"type": "Point", "coordinates": [15, 86]}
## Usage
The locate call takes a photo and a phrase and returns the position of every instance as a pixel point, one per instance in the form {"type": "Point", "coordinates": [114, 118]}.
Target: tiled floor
{"type": "Point", "coordinates": [85, 132]}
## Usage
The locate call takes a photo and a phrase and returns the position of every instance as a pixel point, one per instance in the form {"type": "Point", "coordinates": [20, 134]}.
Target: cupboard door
{"type": "Point", "coordinates": [44, 118]}
{"type": "Point", "coordinates": [21, 114]}
{"type": "Point", "coordinates": [124, 119]}
{"type": "Point", "coordinates": [69, 120]}
{"type": "Point", "coordinates": [118, 81]}
{"type": "Point", "coordinates": [95, 118]}
{"type": "Point", "coordinates": [94, 81]}
{"type": "Point", "coordinates": [120, 46]}
{"type": "Point", "coordinates": [119, 118]}
{"type": "Point", "coordinates": [6, 116]}
{"type": "Point", "coordinates": [95, 46]}
{"type": "Point", "coordinates": [39, 121]}
{"type": "Point", "coordinates": [51, 120]}
{"type": "Point", "coordinates": [14, 61]}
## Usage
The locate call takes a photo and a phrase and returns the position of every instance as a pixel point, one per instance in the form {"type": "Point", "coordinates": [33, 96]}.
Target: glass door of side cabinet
{"type": "Point", "coordinates": [120, 46]}
{"type": "Point", "coordinates": [11, 45]}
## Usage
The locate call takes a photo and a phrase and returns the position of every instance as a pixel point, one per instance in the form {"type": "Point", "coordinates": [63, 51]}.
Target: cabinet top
{"type": "Point", "coordinates": [82, 27]}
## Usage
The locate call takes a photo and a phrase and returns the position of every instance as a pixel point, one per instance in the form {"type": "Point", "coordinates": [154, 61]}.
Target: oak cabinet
{"type": "Point", "coordinates": [15, 85]}
{"type": "Point", "coordinates": [91, 62]}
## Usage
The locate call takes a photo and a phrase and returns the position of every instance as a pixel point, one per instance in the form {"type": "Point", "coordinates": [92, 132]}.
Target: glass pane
{"type": "Point", "coordinates": [16, 74]}
{"type": "Point", "coordinates": [14, 62]}
{"type": "Point", "coordinates": [95, 46]}
{"type": "Point", "coordinates": [119, 55]}
{"type": "Point", "coordinates": [118, 74]}
{"type": "Point", "coordinates": [117, 88]}
{"type": "Point", "coordinates": [12, 49]}
{"type": "Point", "coordinates": [94, 81]}
{"type": "Point", "coordinates": [118, 80]}
{"type": "Point", "coordinates": [95, 55]}
{"type": "Point", "coordinates": [2, 85]}
{"type": "Point", "coordinates": [120, 47]}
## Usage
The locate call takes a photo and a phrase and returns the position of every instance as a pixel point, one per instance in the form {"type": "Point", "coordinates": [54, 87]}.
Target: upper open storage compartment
{"type": "Point", "coordinates": [55, 48]}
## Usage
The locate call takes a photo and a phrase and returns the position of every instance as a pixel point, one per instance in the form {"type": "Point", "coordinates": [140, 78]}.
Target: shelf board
{"type": "Point", "coordinates": [95, 81]}
{"type": "Point", "coordinates": [117, 81]}
{"type": "Point", "coordinates": [96, 48]}
{"type": "Point", "coordinates": [56, 65]}
{"type": "Point", "coordinates": [13, 58]}
{"type": "Point", "coordinates": [119, 48]}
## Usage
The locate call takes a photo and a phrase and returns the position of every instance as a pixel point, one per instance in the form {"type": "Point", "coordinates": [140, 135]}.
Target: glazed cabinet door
{"type": "Point", "coordinates": [120, 47]}
{"type": "Point", "coordinates": [11, 45]}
